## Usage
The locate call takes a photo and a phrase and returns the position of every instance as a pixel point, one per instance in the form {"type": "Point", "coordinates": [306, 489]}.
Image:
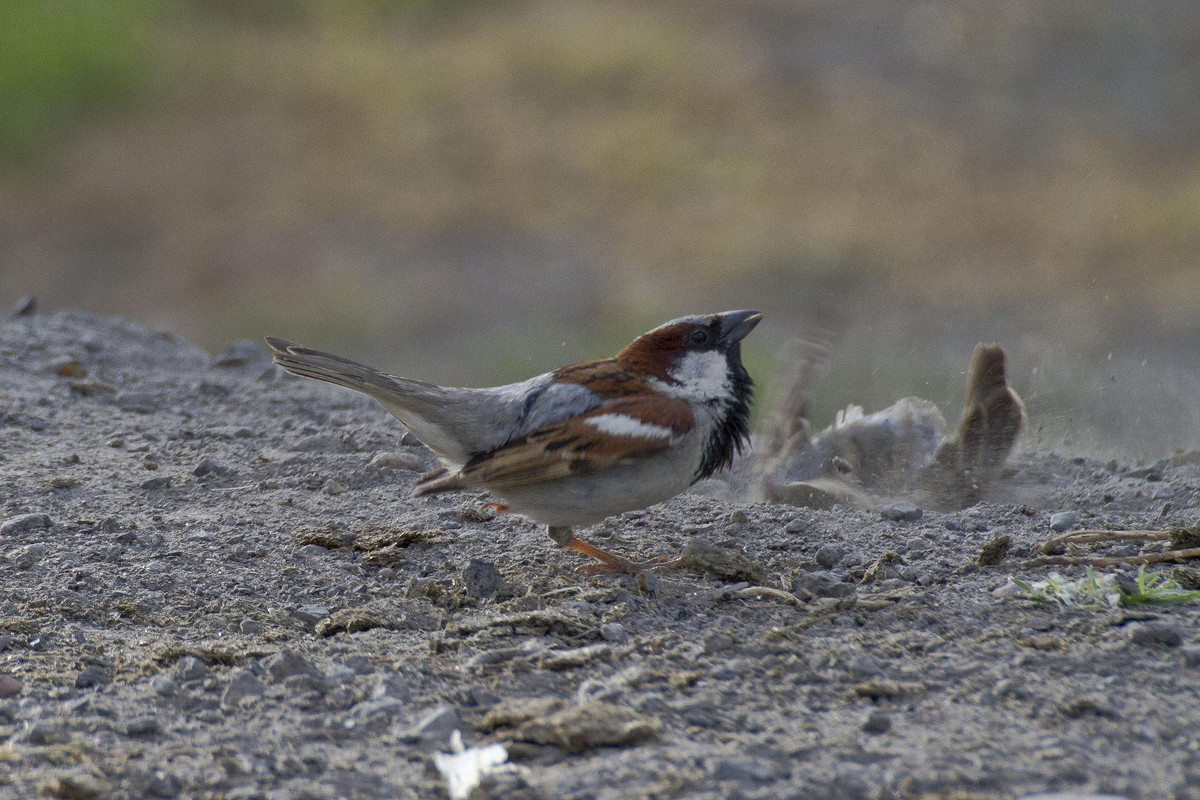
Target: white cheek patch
{"type": "Point", "coordinates": [621, 425]}
{"type": "Point", "coordinates": [703, 375]}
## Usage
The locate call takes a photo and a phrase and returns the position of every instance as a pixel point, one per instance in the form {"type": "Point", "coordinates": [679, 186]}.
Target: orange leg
{"type": "Point", "coordinates": [609, 562]}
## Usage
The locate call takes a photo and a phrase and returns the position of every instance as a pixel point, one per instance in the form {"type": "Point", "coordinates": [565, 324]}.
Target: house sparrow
{"type": "Point", "coordinates": [583, 442]}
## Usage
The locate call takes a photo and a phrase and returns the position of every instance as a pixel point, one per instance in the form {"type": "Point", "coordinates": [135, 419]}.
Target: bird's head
{"type": "Point", "coordinates": [696, 358]}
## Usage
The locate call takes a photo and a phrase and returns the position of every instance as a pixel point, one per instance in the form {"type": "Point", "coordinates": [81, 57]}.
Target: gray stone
{"type": "Point", "coordinates": [1191, 656]}
{"type": "Point", "coordinates": [481, 579]}
{"type": "Point", "coordinates": [901, 511]}
{"type": "Point", "coordinates": [242, 686]}
{"type": "Point", "coordinates": [311, 614]}
{"type": "Point", "coordinates": [251, 627]}
{"type": "Point", "coordinates": [154, 484]}
{"type": "Point", "coordinates": [613, 632]}
{"type": "Point", "coordinates": [796, 526]}
{"type": "Point", "coordinates": [822, 584]}
{"type": "Point", "coordinates": [744, 770]}
{"type": "Point", "coordinates": [91, 676]}
{"type": "Point", "coordinates": [717, 642]}
{"type": "Point", "coordinates": [164, 685]}
{"type": "Point", "coordinates": [189, 668]}
{"type": "Point", "coordinates": [1063, 521]}
{"type": "Point", "coordinates": [864, 665]}
{"type": "Point", "coordinates": [287, 663]}
{"type": "Point", "coordinates": [210, 467]}
{"type": "Point", "coordinates": [9, 686]}
{"type": "Point", "coordinates": [26, 523]}
{"type": "Point", "coordinates": [1070, 795]}
{"type": "Point", "coordinates": [379, 709]}
{"type": "Point", "coordinates": [876, 723]}
{"type": "Point", "coordinates": [137, 402]}
{"type": "Point", "coordinates": [435, 725]}
{"type": "Point", "coordinates": [144, 726]}
{"type": "Point", "coordinates": [1149, 634]}
{"type": "Point", "coordinates": [29, 555]}
{"type": "Point", "coordinates": [403, 461]}
{"type": "Point", "coordinates": [46, 733]}
{"type": "Point", "coordinates": [829, 555]}
{"type": "Point", "coordinates": [333, 487]}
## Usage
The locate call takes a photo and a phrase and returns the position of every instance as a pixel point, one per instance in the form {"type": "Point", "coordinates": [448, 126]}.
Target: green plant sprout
{"type": "Point", "coordinates": [1111, 591]}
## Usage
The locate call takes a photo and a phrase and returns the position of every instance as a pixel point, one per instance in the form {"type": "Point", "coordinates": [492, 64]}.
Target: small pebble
{"type": "Point", "coordinates": [189, 668]}
{"type": "Point", "coordinates": [829, 555]}
{"type": "Point", "coordinates": [75, 786]}
{"type": "Point", "coordinates": [613, 632]}
{"type": "Point", "coordinates": [864, 665]}
{"type": "Point", "coordinates": [91, 676]}
{"type": "Point", "coordinates": [164, 685]}
{"type": "Point", "coordinates": [1191, 657]}
{"type": "Point", "coordinates": [251, 627]}
{"type": "Point", "coordinates": [29, 555]}
{"type": "Point", "coordinates": [311, 614]}
{"type": "Point", "coordinates": [822, 584]}
{"type": "Point", "coordinates": [796, 526]}
{"type": "Point", "coordinates": [744, 770]}
{"type": "Point", "coordinates": [69, 367]}
{"type": "Point", "coordinates": [287, 663]}
{"type": "Point", "coordinates": [210, 467]}
{"type": "Point", "coordinates": [391, 460]}
{"type": "Point", "coordinates": [9, 686]}
{"type": "Point", "coordinates": [1149, 634]}
{"type": "Point", "coordinates": [144, 726]}
{"type": "Point", "coordinates": [717, 642]}
{"type": "Point", "coordinates": [242, 685]}
{"type": "Point", "coordinates": [877, 723]}
{"type": "Point", "coordinates": [333, 487]}
{"type": "Point", "coordinates": [137, 402]}
{"type": "Point", "coordinates": [155, 484]}
{"type": "Point", "coordinates": [481, 579]}
{"type": "Point", "coordinates": [1063, 521]}
{"type": "Point", "coordinates": [902, 511]}
{"type": "Point", "coordinates": [26, 523]}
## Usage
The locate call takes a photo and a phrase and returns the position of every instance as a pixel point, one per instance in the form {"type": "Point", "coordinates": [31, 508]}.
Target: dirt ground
{"type": "Point", "coordinates": [216, 585]}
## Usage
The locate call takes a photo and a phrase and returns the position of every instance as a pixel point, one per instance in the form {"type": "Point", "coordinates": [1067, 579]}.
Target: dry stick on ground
{"type": "Point", "coordinates": [1176, 536]}
{"type": "Point", "coordinates": [1108, 561]}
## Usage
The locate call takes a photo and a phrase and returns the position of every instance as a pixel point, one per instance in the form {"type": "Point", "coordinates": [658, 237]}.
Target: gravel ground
{"type": "Point", "coordinates": [215, 584]}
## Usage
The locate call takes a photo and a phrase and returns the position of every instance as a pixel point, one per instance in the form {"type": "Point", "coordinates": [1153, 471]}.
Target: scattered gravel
{"type": "Point", "coordinates": [187, 609]}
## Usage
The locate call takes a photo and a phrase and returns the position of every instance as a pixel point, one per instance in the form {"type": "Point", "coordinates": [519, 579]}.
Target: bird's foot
{"type": "Point", "coordinates": [611, 562]}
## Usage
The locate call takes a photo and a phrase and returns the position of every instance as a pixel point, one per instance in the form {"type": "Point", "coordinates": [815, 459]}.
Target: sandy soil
{"type": "Point", "coordinates": [231, 595]}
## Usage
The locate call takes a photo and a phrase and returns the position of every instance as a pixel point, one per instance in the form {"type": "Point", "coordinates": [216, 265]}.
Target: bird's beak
{"type": "Point", "coordinates": [736, 325]}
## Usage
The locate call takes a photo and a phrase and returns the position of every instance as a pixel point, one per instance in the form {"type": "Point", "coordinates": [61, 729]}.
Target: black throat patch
{"type": "Point", "coordinates": [733, 427]}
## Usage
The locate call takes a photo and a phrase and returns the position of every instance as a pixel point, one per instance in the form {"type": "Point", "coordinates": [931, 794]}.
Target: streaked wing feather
{"type": "Point", "coordinates": [614, 433]}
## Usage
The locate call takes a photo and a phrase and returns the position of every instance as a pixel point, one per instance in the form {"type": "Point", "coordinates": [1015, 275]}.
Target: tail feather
{"type": "Point", "coordinates": [309, 363]}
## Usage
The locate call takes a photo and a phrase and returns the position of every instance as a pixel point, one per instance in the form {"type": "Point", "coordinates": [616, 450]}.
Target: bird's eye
{"type": "Point", "coordinates": [699, 336]}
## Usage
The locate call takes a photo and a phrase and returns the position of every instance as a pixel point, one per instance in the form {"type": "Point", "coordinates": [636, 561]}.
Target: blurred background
{"type": "Point", "coordinates": [471, 191]}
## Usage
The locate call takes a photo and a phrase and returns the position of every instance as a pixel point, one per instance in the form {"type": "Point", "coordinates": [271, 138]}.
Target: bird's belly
{"type": "Point", "coordinates": [587, 499]}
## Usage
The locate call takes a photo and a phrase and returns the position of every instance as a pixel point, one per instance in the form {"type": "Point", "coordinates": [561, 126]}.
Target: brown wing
{"type": "Point", "coordinates": [617, 432]}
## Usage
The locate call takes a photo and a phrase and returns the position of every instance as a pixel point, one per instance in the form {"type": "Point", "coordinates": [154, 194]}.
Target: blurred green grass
{"type": "Point", "coordinates": [63, 60]}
